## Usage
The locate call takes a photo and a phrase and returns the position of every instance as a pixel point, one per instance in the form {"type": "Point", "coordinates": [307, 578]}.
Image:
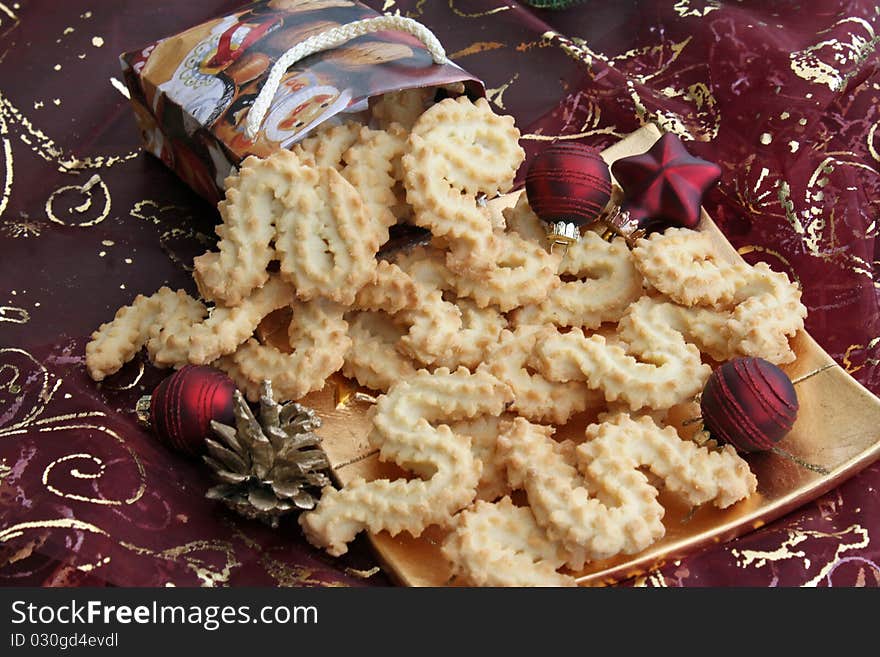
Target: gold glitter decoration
{"type": "Point", "coordinates": [48, 385]}
{"type": "Point", "coordinates": [759, 558]}
{"type": "Point", "coordinates": [416, 12]}
{"type": "Point", "coordinates": [46, 148]}
{"type": "Point", "coordinates": [870, 139]}
{"type": "Point", "coordinates": [7, 169]}
{"type": "Point", "coordinates": [543, 42]}
{"type": "Point", "coordinates": [89, 567]}
{"type": "Point", "coordinates": [8, 22]}
{"type": "Point", "coordinates": [86, 192]}
{"type": "Point", "coordinates": [131, 384]}
{"type": "Point", "coordinates": [683, 8]}
{"type": "Point", "coordinates": [496, 95]}
{"type": "Point", "coordinates": [137, 494]}
{"type": "Point", "coordinates": [815, 218]}
{"type": "Point", "coordinates": [850, 367]}
{"type": "Point", "coordinates": [13, 373]}
{"type": "Point", "coordinates": [76, 472]}
{"type": "Point", "coordinates": [476, 14]}
{"type": "Point", "coordinates": [475, 48]}
{"type": "Point", "coordinates": [808, 64]}
{"type": "Point", "coordinates": [178, 217]}
{"type": "Point", "coordinates": [853, 537]}
{"type": "Point", "coordinates": [672, 122]}
{"type": "Point", "coordinates": [862, 266]}
{"type": "Point", "coordinates": [287, 575]}
{"type": "Point", "coordinates": [784, 195]}
{"type": "Point", "coordinates": [209, 575]}
{"type": "Point", "coordinates": [653, 580]}
{"type": "Point", "coordinates": [573, 105]}
{"type": "Point", "coordinates": [757, 198]}
{"type": "Point", "coordinates": [756, 248]}
{"type": "Point", "coordinates": [284, 574]}
{"type": "Point", "coordinates": [18, 530]}
{"type": "Point", "coordinates": [706, 120]}
{"type": "Point", "coordinates": [531, 136]}
{"type": "Point", "coordinates": [662, 56]}
{"type": "Point", "coordinates": [21, 228]}
{"type": "Point", "coordinates": [22, 366]}
{"type": "Point", "coordinates": [363, 574]}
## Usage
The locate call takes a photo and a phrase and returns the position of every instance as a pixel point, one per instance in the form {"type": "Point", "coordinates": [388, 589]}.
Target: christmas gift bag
{"type": "Point", "coordinates": [194, 93]}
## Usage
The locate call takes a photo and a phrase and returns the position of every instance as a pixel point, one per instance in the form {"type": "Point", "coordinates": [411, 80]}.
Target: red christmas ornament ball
{"type": "Point", "coordinates": [183, 405]}
{"type": "Point", "coordinates": [749, 403]}
{"type": "Point", "coordinates": [568, 182]}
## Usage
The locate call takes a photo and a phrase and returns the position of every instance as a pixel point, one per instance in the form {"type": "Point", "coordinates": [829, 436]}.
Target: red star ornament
{"type": "Point", "coordinates": [665, 186]}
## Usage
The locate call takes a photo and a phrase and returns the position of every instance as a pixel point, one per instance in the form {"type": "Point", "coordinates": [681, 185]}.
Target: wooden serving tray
{"type": "Point", "coordinates": [838, 428]}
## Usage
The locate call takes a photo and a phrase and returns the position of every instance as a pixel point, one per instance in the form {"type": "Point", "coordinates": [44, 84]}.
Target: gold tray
{"type": "Point", "coordinates": [838, 428]}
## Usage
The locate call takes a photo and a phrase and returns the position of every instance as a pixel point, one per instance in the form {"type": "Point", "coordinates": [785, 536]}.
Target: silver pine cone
{"type": "Point", "coordinates": [271, 466]}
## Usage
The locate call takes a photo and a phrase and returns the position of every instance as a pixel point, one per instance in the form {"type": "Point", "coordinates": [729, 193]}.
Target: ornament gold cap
{"type": "Point", "coordinates": [619, 223]}
{"type": "Point", "coordinates": [142, 410]}
{"type": "Point", "coordinates": [563, 232]}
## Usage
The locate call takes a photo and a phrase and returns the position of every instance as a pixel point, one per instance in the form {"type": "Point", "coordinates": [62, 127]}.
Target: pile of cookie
{"type": "Point", "coordinates": [482, 341]}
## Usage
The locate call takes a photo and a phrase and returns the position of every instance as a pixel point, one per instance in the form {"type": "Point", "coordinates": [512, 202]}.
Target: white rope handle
{"type": "Point", "coordinates": [331, 39]}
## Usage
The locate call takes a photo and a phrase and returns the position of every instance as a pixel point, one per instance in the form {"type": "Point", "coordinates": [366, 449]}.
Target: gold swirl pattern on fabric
{"type": "Point", "coordinates": [7, 170]}
{"type": "Point", "coordinates": [68, 215]}
{"type": "Point", "coordinates": [658, 59]}
{"type": "Point", "coordinates": [28, 408]}
{"type": "Point", "coordinates": [176, 225]}
{"type": "Point", "coordinates": [211, 561]}
{"type": "Point", "coordinates": [476, 14]}
{"type": "Point", "coordinates": [209, 574]}
{"type": "Point", "coordinates": [496, 95]}
{"type": "Point", "coordinates": [46, 148]}
{"type": "Point", "coordinates": [851, 538]}
{"type": "Point", "coordinates": [824, 62]}
{"type": "Point", "coordinates": [9, 20]}
{"type": "Point", "coordinates": [76, 473]}
{"type": "Point", "coordinates": [14, 315]}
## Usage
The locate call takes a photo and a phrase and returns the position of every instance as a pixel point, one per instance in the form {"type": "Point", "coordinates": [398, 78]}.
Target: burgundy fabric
{"type": "Point", "coordinates": [782, 95]}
